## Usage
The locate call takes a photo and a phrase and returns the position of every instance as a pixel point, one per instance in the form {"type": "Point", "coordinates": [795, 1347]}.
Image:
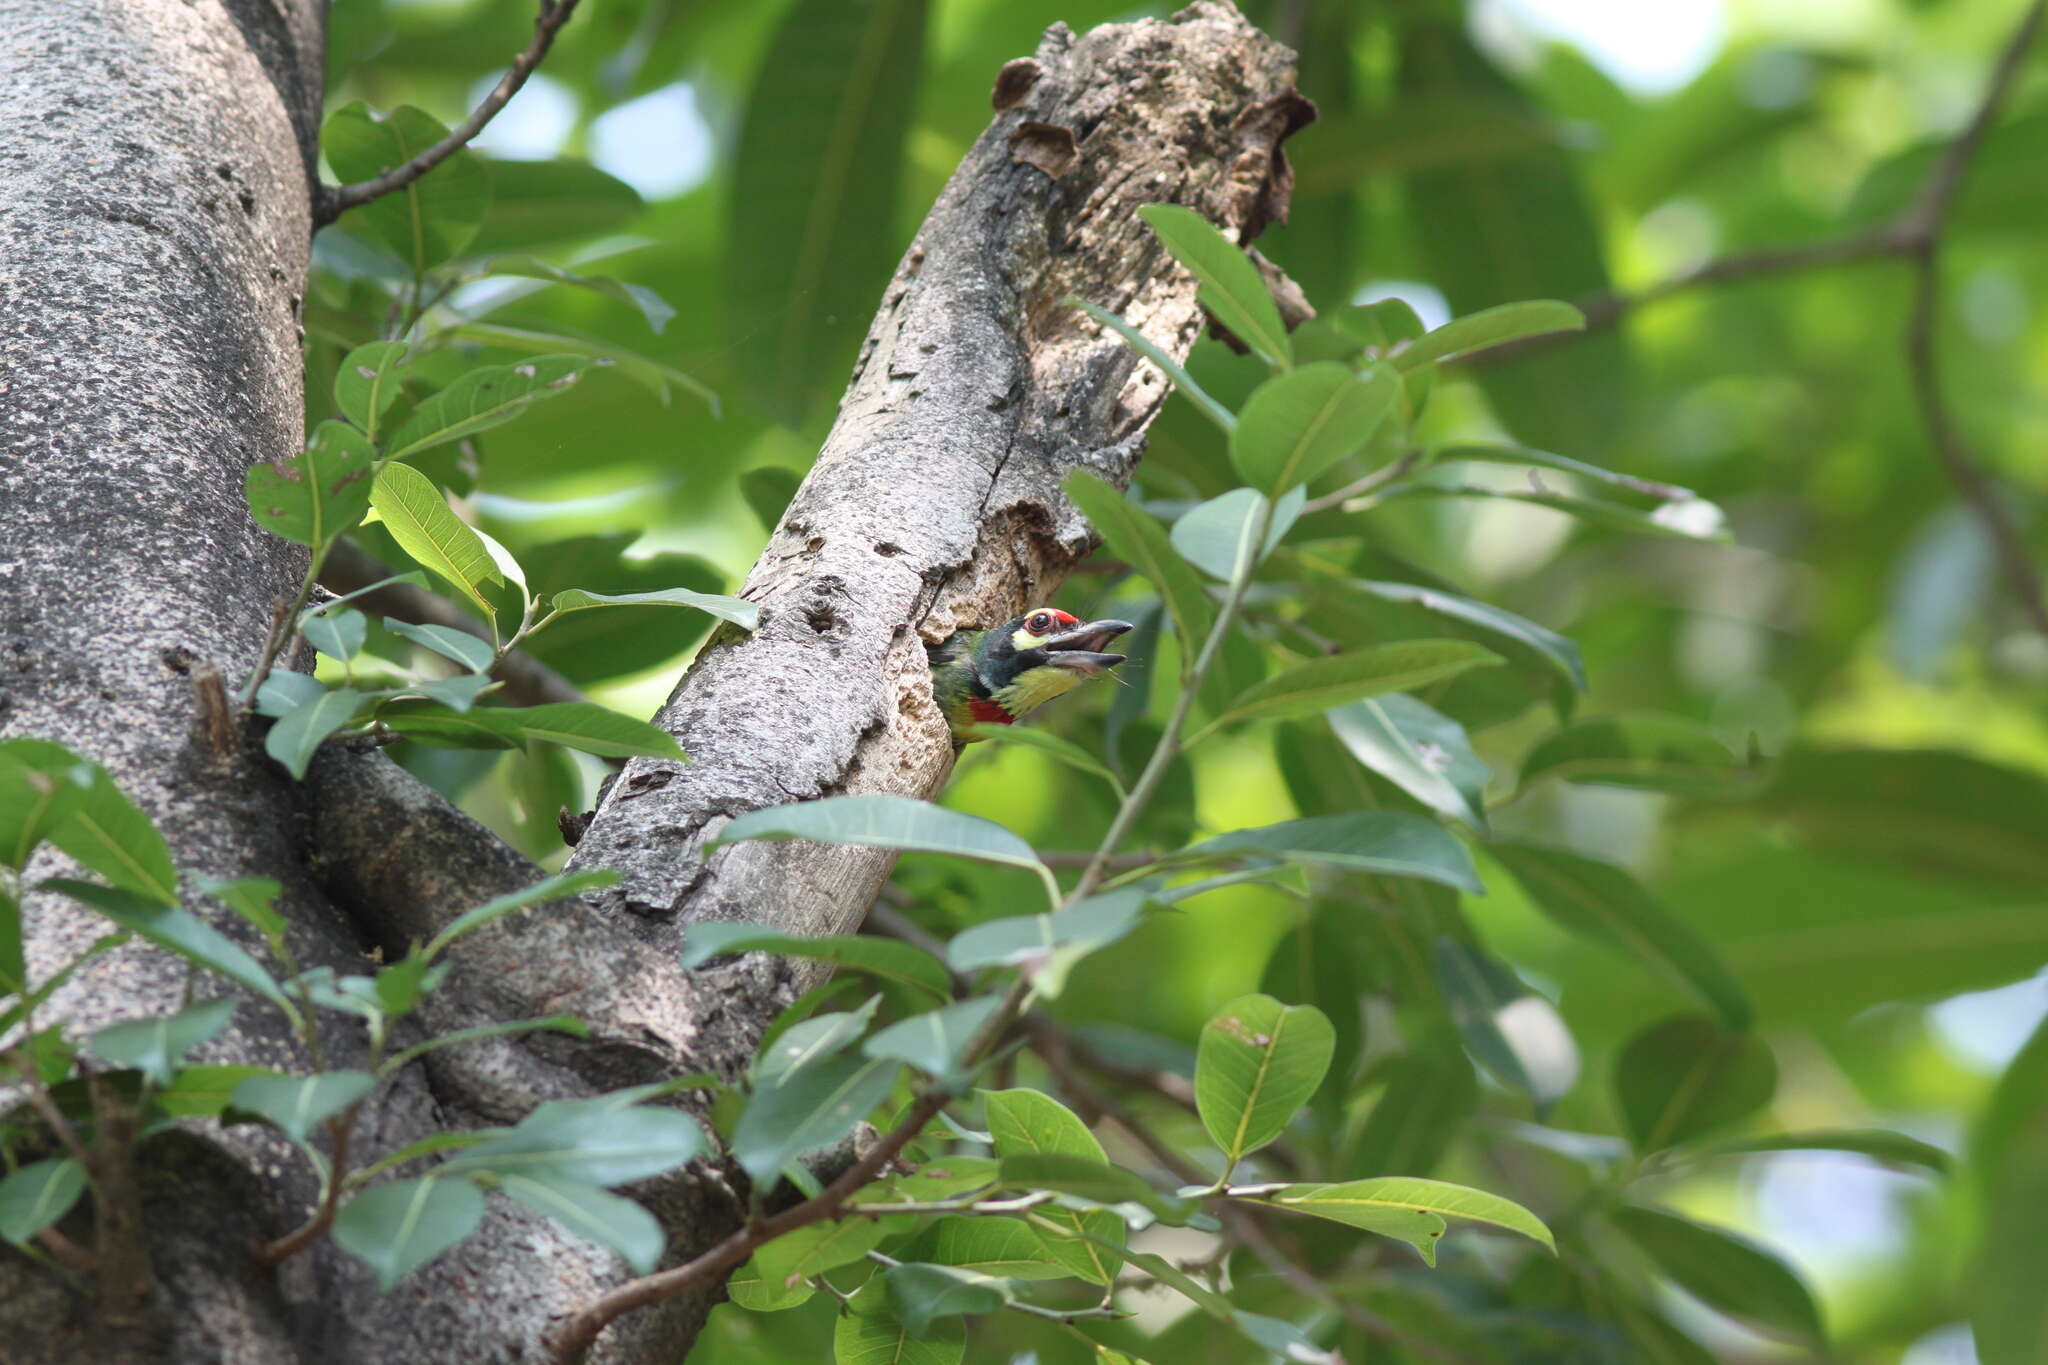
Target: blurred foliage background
{"type": "Point", "coordinates": [760, 166]}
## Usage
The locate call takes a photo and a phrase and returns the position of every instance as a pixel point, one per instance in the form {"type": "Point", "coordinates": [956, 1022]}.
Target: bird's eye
{"type": "Point", "coordinates": [1039, 623]}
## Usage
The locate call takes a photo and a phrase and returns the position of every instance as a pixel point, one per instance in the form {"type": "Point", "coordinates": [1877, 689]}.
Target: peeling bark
{"type": "Point", "coordinates": [155, 190]}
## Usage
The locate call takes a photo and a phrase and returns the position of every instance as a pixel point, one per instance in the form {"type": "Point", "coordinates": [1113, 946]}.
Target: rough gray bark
{"type": "Point", "coordinates": [155, 168]}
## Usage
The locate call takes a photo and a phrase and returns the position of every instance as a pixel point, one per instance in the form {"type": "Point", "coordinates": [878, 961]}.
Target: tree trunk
{"type": "Point", "coordinates": [156, 162]}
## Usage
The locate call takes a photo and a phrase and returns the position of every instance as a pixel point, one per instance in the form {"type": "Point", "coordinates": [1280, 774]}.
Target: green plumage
{"type": "Point", "coordinates": [998, 676]}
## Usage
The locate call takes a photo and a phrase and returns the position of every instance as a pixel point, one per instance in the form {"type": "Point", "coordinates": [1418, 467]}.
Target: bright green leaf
{"type": "Point", "coordinates": [1310, 688]}
{"type": "Point", "coordinates": [739, 611]}
{"type": "Point", "coordinates": [1258, 1064]}
{"type": "Point", "coordinates": [1492, 327]}
{"type": "Point", "coordinates": [1393, 843]}
{"type": "Point", "coordinates": [1296, 425]}
{"type": "Point", "coordinates": [368, 381]}
{"type": "Point", "coordinates": [428, 220]}
{"type": "Point", "coordinates": [312, 497]}
{"type": "Point", "coordinates": [1230, 286]}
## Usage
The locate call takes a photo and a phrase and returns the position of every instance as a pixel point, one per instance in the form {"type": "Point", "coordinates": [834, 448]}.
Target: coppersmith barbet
{"type": "Point", "coordinates": [997, 676]}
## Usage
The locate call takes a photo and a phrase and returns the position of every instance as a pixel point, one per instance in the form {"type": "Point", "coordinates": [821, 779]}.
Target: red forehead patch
{"type": "Point", "coordinates": [1064, 618]}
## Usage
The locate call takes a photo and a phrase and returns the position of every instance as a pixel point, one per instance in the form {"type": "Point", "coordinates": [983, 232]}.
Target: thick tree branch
{"type": "Point", "coordinates": [331, 201]}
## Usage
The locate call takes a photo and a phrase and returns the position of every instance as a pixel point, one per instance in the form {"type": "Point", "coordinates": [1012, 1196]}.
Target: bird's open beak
{"type": "Point", "coordinates": [1081, 649]}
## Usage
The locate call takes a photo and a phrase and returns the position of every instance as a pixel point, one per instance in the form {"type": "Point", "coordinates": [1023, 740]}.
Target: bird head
{"type": "Point", "coordinates": [999, 675]}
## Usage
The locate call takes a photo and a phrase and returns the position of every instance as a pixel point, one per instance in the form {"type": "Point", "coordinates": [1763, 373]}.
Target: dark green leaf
{"type": "Point", "coordinates": [1322, 684]}
{"type": "Point", "coordinates": [367, 382]}
{"type": "Point", "coordinates": [653, 308]}
{"type": "Point", "coordinates": [294, 739]}
{"type": "Point", "coordinates": [1491, 327]}
{"type": "Point", "coordinates": [1879, 1144]}
{"type": "Point", "coordinates": [808, 1108]}
{"type": "Point", "coordinates": [923, 1294]}
{"type": "Point", "coordinates": [36, 1195]}
{"type": "Point", "coordinates": [430, 219]}
{"type": "Point", "coordinates": [594, 1142]}
{"type": "Point", "coordinates": [883, 822]}
{"type": "Point", "coordinates": [886, 958]}
{"type": "Point", "coordinates": [1724, 1271]}
{"type": "Point", "coordinates": [175, 931]}
{"type": "Point", "coordinates": [580, 725]}
{"type": "Point", "coordinates": [934, 1042]}
{"type": "Point", "coordinates": [1428, 1097]}
{"type": "Point", "coordinates": [399, 1227]}
{"type": "Point", "coordinates": [1561, 653]}
{"type": "Point", "coordinates": [296, 1105]}
{"type": "Point", "coordinates": [1230, 285]}
{"type": "Point", "coordinates": [555, 887]}
{"type": "Point", "coordinates": [156, 1046]}
{"type": "Point", "coordinates": [1418, 749]}
{"type": "Point", "coordinates": [594, 1215]}
{"type": "Point", "coordinates": [537, 203]}
{"type": "Point", "coordinates": [312, 497]}
{"type": "Point", "coordinates": [1137, 538]}
{"type": "Point", "coordinates": [1258, 1064]}
{"type": "Point", "coordinates": [1650, 752]}
{"type": "Point", "coordinates": [1687, 1076]}
{"type": "Point", "coordinates": [768, 491]}
{"type": "Point", "coordinates": [1478, 991]}
{"type": "Point", "coordinates": [1393, 843]}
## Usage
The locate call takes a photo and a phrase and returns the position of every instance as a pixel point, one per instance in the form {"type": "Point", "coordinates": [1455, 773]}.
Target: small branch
{"type": "Point", "coordinates": [67, 1251]}
{"type": "Point", "coordinates": [332, 202]}
{"type": "Point", "coordinates": [528, 681]}
{"type": "Point", "coordinates": [1379, 478]}
{"type": "Point", "coordinates": [310, 1231]}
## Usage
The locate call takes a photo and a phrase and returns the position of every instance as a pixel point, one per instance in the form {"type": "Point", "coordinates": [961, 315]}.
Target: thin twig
{"type": "Point", "coordinates": [331, 203]}
{"type": "Point", "coordinates": [310, 1231]}
{"type": "Point", "coordinates": [1380, 477]}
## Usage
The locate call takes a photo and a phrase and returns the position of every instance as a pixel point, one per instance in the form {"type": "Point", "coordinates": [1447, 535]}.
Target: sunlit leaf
{"type": "Point", "coordinates": [1491, 327]}
{"type": "Point", "coordinates": [742, 613]}
{"type": "Point", "coordinates": [1321, 684]}
{"type": "Point", "coordinates": [1298, 424]}
{"type": "Point", "coordinates": [1230, 286]}
{"type": "Point", "coordinates": [416, 514]}
{"type": "Point", "coordinates": [312, 497]}
{"type": "Point", "coordinates": [434, 216]}
{"type": "Point", "coordinates": [1258, 1064]}
{"type": "Point", "coordinates": [883, 822]}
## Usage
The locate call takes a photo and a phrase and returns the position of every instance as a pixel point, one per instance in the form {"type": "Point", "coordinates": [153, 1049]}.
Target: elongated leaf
{"type": "Point", "coordinates": [993, 1246]}
{"type": "Point", "coordinates": [1428, 1097]}
{"type": "Point", "coordinates": [593, 1214]}
{"type": "Point", "coordinates": [1604, 902]}
{"type": "Point", "coordinates": [481, 399]}
{"type": "Point", "coordinates": [100, 826]}
{"type": "Point", "coordinates": [934, 1042]}
{"type": "Point", "coordinates": [556, 887]}
{"type": "Point", "coordinates": [881, 957]}
{"type": "Point", "coordinates": [1298, 424]}
{"type": "Point", "coordinates": [872, 1332]}
{"type": "Point", "coordinates": [553, 1023]}
{"type": "Point", "coordinates": [295, 739]}
{"type": "Point", "coordinates": [1216, 537]}
{"type": "Point", "coordinates": [808, 1108]}
{"type": "Point", "coordinates": [814, 193]}
{"type": "Point", "coordinates": [883, 822]}
{"type": "Point", "coordinates": [1046, 742]}
{"type": "Point", "coordinates": [537, 203]}
{"type": "Point", "coordinates": [368, 381]}
{"type": "Point", "coordinates": [1095, 1181]}
{"type": "Point", "coordinates": [473, 654]}
{"type": "Point", "coordinates": [1026, 1123]}
{"type": "Point", "coordinates": [1483, 996]}
{"type": "Point", "coordinates": [1724, 1271]}
{"type": "Point", "coordinates": [820, 1247]}
{"type": "Point", "coordinates": [739, 611]}
{"type": "Point", "coordinates": [1342, 679]}
{"type": "Point", "coordinates": [296, 1105]}
{"type": "Point", "coordinates": [1686, 1076]}
{"type": "Point", "coordinates": [1648, 752]}
{"type": "Point", "coordinates": [595, 1142]}
{"type": "Point", "coordinates": [1491, 327]}
{"type": "Point", "coordinates": [923, 1294]}
{"type": "Point", "coordinates": [1879, 1144]}
{"type": "Point", "coordinates": [1491, 453]}
{"type": "Point", "coordinates": [155, 1046]}
{"type": "Point", "coordinates": [1230, 285]}
{"type": "Point", "coordinates": [652, 306]}
{"type": "Point", "coordinates": [657, 378]}
{"type": "Point", "coordinates": [1364, 1199]}
{"type": "Point", "coordinates": [1555, 649]}
{"type": "Point", "coordinates": [1693, 519]}
{"type": "Point", "coordinates": [1393, 843]}
{"type": "Point", "coordinates": [430, 219]}
{"type": "Point", "coordinates": [312, 497]}
{"type": "Point", "coordinates": [418, 518]}
{"type": "Point", "coordinates": [1040, 940]}
{"type": "Point", "coordinates": [1258, 1064]}
{"type": "Point", "coordinates": [1418, 749]}
{"type": "Point", "coordinates": [583, 726]}
{"type": "Point", "coordinates": [36, 1195]}
{"type": "Point", "coordinates": [41, 783]}
{"type": "Point", "coordinates": [399, 1227]}
{"type": "Point", "coordinates": [1404, 1220]}
{"type": "Point", "coordinates": [1182, 381]}
{"type": "Point", "coordinates": [2009, 1166]}
{"type": "Point", "coordinates": [176, 931]}
{"type": "Point", "coordinates": [1137, 538]}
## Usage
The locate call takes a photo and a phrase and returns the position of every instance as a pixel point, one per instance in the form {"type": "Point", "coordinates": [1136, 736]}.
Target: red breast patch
{"type": "Point", "coordinates": [989, 712]}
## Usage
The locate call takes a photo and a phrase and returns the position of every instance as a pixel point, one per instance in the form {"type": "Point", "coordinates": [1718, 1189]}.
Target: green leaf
{"type": "Point", "coordinates": [650, 374]}
{"type": "Point", "coordinates": [1230, 285]}
{"type": "Point", "coordinates": [539, 203]}
{"type": "Point", "coordinates": [2009, 1166]}
{"type": "Point", "coordinates": [41, 783]}
{"type": "Point", "coordinates": [1296, 425]}
{"type": "Point", "coordinates": [34, 1196]}
{"type": "Point", "coordinates": [1046, 742]}
{"type": "Point", "coordinates": [156, 1045]}
{"type": "Point", "coordinates": [805, 1109]}
{"type": "Point", "coordinates": [1216, 537]}
{"type": "Point", "coordinates": [580, 725]}
{"type": "Point", "coordinates": [1025, 1123]}
{"type": "Point", "coordinates": [1427, 1099]}
{"type": "Point", "coordinates": [870, 1332]}
{"type": "Point", "coordinates": [1095, 1181]}
{"type": "Point", "coordinates": [1603, 902]}
{"type": "Point", "coordinates": [886, 958]}
{"type": "Point", "coordinates": [923, 1294]}
{"type": "Point", "coordinates": [1694, 519]}
{"type": "Point", "coordinates": [1420, 750]}
{"type": "Point", "coordinates": [1361, 1202]}
{"type": "Point", "coordinates": [1478, 991]}
{"type": "Point", "coordinates": [596, 1142]}
{"type": "Point", "coordinates": [1728, 1273]}
{"type": "Point", "coordinates": [368, 381]}
{"type": "Point", "coordinates": [819, 1247]}
{"type": "Point", "coordinates": [934, 1042]}
{"type": "Point", "coordinates": [483, 398]}
{"type": "Point", "coordinates": [1491, 327]}
{"type": "Point", "coordinates": [756, 1293]}
{"type": "Point", "coordinates": [553, 1023]}
{"type": "Point", "coordinates": [49, 792]}
{"type": "Point", "coordinates": [946, 1177]}
{"type": "Point", "coordinates": [473, 654]}
{"type": "Point", "coordinates": [429, 220]}
{"type": "Point", "coordinates": [296, 1105]}
{"type": "Point", "coordinates": [1035, 939]}
{"type": "Point", "coordinates": [1686, 1076]}
{"type": "Point", "coordinates": [176, 931]}
{"type": "Point", "coordinates": [883, 822]}
{"type": "Point", "coordinates": [1137, 341]}
{"type": "Point", "coordinates": [993, 1246]}
{"type": "Point", "coordinates": [1879, 1144]}
{"type": "Point", "coordinates": [557, 887]}
{"type": "Point", "coordinates": [283, 692]}
{"type": "Point", "coordinates": [337, 634]}
{"type": "Point", "coordinates": [593, 1214]}
{"type": "Point", "coordinates": [295, 739]}
{"type": "Point", "coordinates": [1484, 452]}
{"type": "Point", "coordinates": [653, 308]}
{"type": "Point", "coordinates": [1647, 752]}
{"type": "Point", "coordinates": [1555, 649]}
{"type": "Point", "coordinates": [739, 611]}
{"type": "Point", "coordinates": [1341, 679]}
{"type": "Point", "coordinates": [312, 497]}
{"type": "Point", "coordinates": [204, 1091]}
{"type": "Point", "coordinates": [417, 516]}
{"type": "Point", "coordinates": [1258, 1064]}
{"type": "Point", "coordinates": [814, 194]}
{"type": "Point", "coordinates": [1393, 843]}
{"type": "Point", "coordinates": [254, 899]}
{"type": "Point", "coordinates": [399, 1227]}
{"type": "Point", "coordinates": [1138, 540]}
